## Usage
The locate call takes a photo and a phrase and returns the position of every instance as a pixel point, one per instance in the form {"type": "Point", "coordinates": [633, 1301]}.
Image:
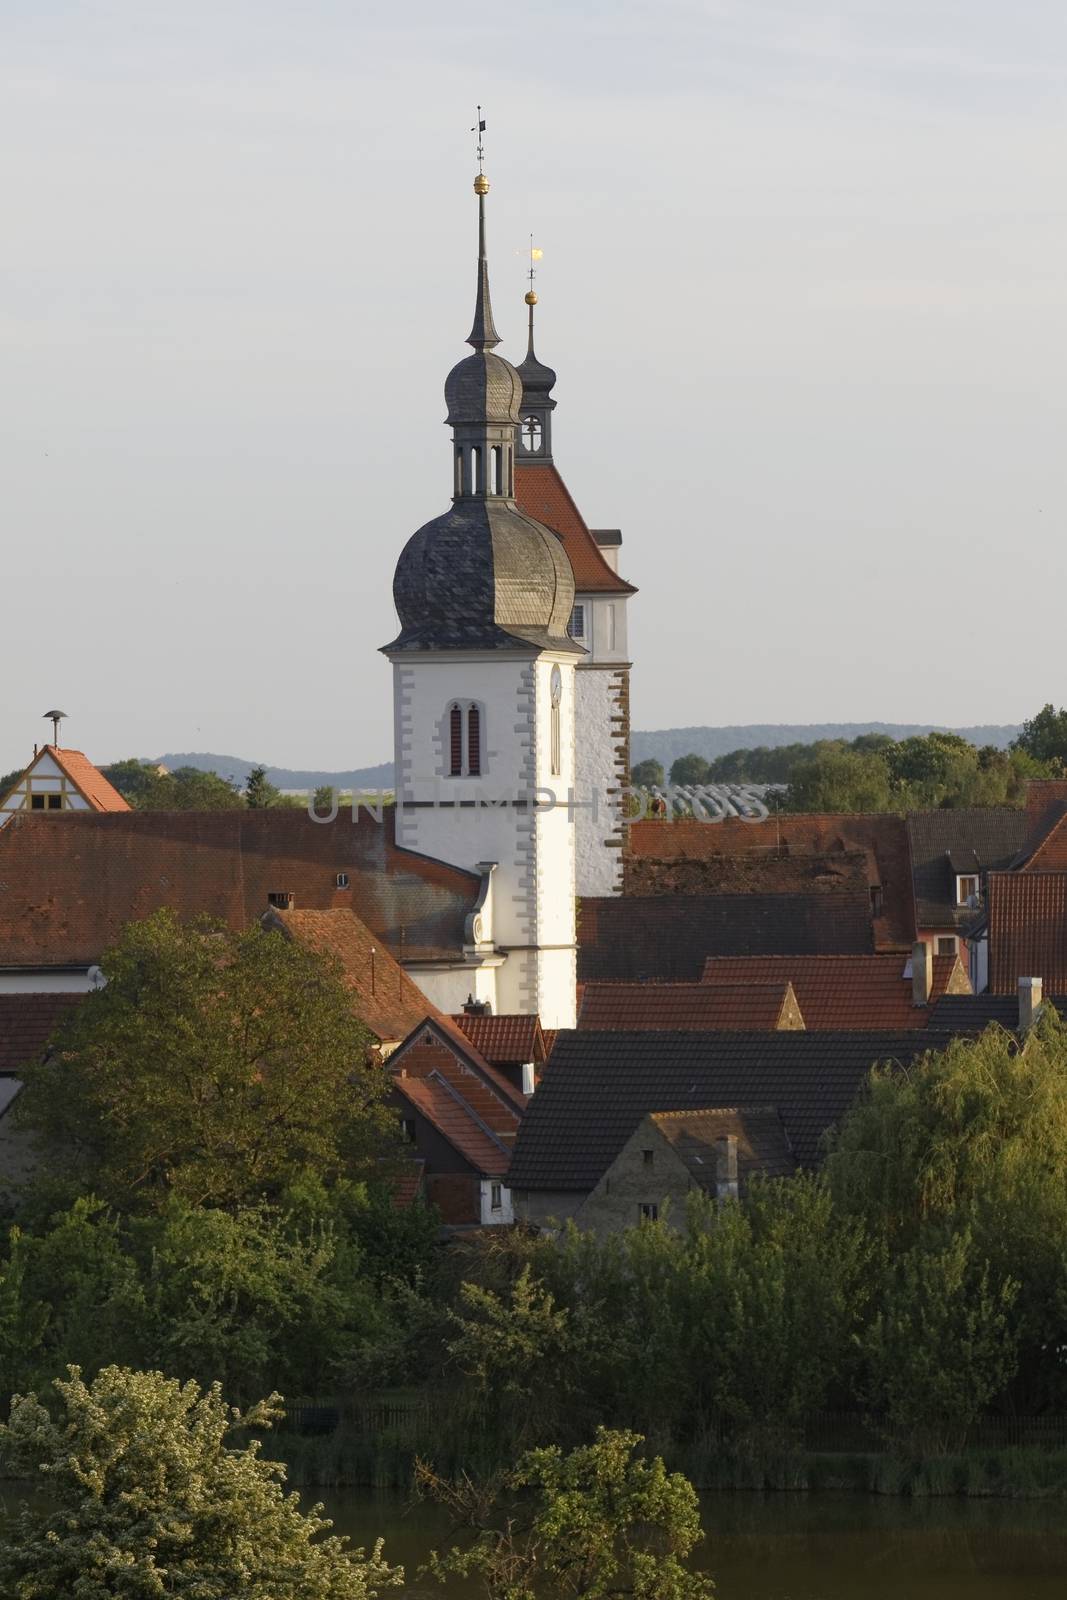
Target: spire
{"type": "Point", "coordinates": [531, 297]}
{"type": "Point", "coordinates": [535, 431]}
{"type": "Point", "coordinates": [483, 335]}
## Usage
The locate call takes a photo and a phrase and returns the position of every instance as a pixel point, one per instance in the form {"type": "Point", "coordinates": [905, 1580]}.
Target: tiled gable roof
{"type": "Point", "coordinates": [598, 1086]}
{"type": "Point", "coordinates": [27, 1023]}
{"type": "Point", "coordinates": [1046, 802]}
{"type": "Point", "coordinates": [1049, 853]}
{"type": "Point", "coordinates": [697, 1007]}
{"type": "Point", "coordinates": [97, 790]}
{"type": "Point", "coordinates": [762, 1142]}
{"type": "Point", "coordinates": [506, 1040]}
{"type": "Point", "coordinates": [881, 839]}
{"type": "Point", "coordinates": [440, 1031]}
{"type": "Point", "coordinates": [383, 995]}
{"type": "Point", "coordinates": [845, 992]}
{"type": "Point", "coordinates": [1027, 916]}
{"type": "Point", "coordinates": [972, 1013]}
{"type": "Point", "coordinates": [628, 938]}
{"type": "Point", "coordinates": [985, 837]}
{"type": "Point", "coordinates": [468, 1102]}
{"type": "Point", "coordinates": [543, 495]}
{"type": "Point", "coordinates": [69, 891]}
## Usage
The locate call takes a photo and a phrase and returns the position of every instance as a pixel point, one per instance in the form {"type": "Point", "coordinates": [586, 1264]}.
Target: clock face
{"type": "Point", "coordinates": [556, 686]}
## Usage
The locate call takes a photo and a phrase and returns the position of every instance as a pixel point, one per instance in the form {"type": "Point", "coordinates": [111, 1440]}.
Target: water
{"type": "Point", "coordinates": [808, 1547]}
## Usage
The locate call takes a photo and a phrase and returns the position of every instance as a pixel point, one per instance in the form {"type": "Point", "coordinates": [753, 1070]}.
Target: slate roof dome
{"type": "Point", "coordinates": [483, 576]}
{"type": "Point", "coordinates": [483, 388]}
{"type": "Point", "coordinates": [534, 376]}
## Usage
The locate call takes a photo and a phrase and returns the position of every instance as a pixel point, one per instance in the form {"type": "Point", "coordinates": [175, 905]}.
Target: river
{"type": "Point", "coordinates": [810, 1547]}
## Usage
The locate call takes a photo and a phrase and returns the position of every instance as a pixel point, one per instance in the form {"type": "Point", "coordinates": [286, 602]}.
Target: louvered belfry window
{"type": "Point", "coordinates": [474, 742]}
{"type": "Point", "coordinates": [455, 740]}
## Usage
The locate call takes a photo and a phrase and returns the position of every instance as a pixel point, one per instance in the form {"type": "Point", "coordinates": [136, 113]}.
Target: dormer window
{"type": "Point", "coordinates": [532, 435]}
{"type": "Point", "coordinates": [967, 889]}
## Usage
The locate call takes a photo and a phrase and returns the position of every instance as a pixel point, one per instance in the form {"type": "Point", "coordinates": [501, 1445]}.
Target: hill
{"type": "Point", "coordinates": [662, 744]}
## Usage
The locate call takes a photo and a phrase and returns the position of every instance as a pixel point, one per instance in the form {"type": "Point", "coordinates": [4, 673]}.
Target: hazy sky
{"type": "Point", "coordinates": [803, 284]}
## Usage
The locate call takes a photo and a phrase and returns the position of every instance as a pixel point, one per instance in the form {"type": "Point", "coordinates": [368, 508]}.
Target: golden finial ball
{"type": "Point", "coordinates": [530, 297]}
{"type": "Point", "coordinates": [481, 184]}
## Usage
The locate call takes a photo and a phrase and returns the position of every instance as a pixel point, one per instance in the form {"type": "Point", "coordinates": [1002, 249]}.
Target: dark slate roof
{"type": "Point", "coordinates": [762, 1142]}
{"type": "Point", "coordinates": [983, 839]}
{"type": "Point", "coordinates": [971, 1013]}
{"type": "Point", "coordinates": [484, 576]}
{"type": "Point", "coordinates": [68, 884]}
{"type": "Point", "coordinates": [483, 388]}
{"type": "Point", "coordinates": [598, 1086]}
{"type": "Point", "coordinates": [629, 938]}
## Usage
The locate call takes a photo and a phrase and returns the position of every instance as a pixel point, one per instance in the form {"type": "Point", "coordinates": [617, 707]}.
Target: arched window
{"type": "Point", "coordinates": [555, 695]}
{"type": "Point", "coordinates": [494, 470]}
{"type": "Point", "coordinates": [459, 473]}
{"type": "Point", "coordinates": [455, 742]}
{"type": "Point", "coordinates": [474, 742]}
{"type": "Point", "coordinates": [476, 470]}
{"type": "Point", "coordinates": [531, 435]}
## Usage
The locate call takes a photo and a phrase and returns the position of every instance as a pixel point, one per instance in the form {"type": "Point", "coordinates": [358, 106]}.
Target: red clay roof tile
{"type": "Point", "coordinates": [703, 1007]}
{"type": "Point", "coordinates": [542, 494]}
{"type": "Point", "coordinates": [1027, 914]}
{"type": "Point", "coordinates": [845, 993]}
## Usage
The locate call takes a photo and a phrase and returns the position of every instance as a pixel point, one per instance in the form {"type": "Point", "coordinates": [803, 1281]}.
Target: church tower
{"type": "Point", "coordinates": [597, 622]}
{"type": "Point", "coordinates": [484, 692]}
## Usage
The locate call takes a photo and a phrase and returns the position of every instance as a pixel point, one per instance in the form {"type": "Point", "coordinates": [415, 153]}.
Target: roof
{"type": "Point", "coordinates": [699, 1007]}
{"type": "Point", "coordinates": [440, 1030]}
{"type": "Point", "coordinates": [542, 493]}
{"type": "Point", "coordinates": [837, 992]}
{"type": "Point", "coordinates": [505, 1040]}
{"type": "Point", "coordinates": [101, 795]}
{"type": "Point", "coordinates": [880, 837]}
{"type": "Point", "coordinates": [598, 1086]}
{"type": "Point", "coordinates": [27, 1023]}
{"type": "Point", "coordinates": [748, 872]}
{"type": "Point", "coordinates": [1049, 854]}
{"type": "Point", "coordinates": [971, 1013]}
{"type": "Point", "coordinates": [983, 838]}
{"type": "Point", "coordinates": [667, 938]}
{"type": "Point", "coordinates": [1046, 801]}
{"type": "Point", "coordinates": [762, 1142]}
{"type": "Point", "coordinates": [384, 997]}
{"type": "Point", "coordinates": [68, 891]}
{"type": "Point", "coordinates": [468, 1103]}
{"type": "Point", "coordinates": [1027, 914]}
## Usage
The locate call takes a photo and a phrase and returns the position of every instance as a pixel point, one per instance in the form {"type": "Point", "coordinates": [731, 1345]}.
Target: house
{"type": "Point", "coordinates": [667, 938]}
{"type": "Point", "coordinates": [70, 891]}
{"type": "Point", "coordinates": [776, 854]}
{"type": "Point", "coordinates": [461, 1118]}
{"type": "Point", "coordinates": [716, 1150]}
{"type": "Point", "coordinates": [839, 993]}
{"type": "Point", "coordinates": [690, 1007]}
{"type": "Point", "coordinates": [1025, 930]}
{"type": "Point", "coordinates": [28, 1023]}
{"type": "Point", "coordinates": [598, 1087]}
{"type": "Point", "coordinates": [971, 1014]}
{"type": "Point", "coordinates": [516, 1045]}
{"type": "Point", "coordinates": [952, 853]}
{"type": "Point", "coordinates": [60, 780]}
{"type": "Point", "coordinates": [384, 997]}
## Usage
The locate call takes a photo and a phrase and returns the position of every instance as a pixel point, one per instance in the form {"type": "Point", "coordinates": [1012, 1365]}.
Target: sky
{"type": "Point", "coordinates": [803, 284]}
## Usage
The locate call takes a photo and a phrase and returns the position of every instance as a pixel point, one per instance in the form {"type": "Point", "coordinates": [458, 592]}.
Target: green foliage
{"type": "Point", "coordinates": [9, 780]}
{"type": "Point", "coordinates": [213, 1065]}
{"type": "Point", "coordinates": [185, 789]}
{"type": "Point", "coordinates": [143, 1495]}
{"type": "Point", "coordinates": [839, 780]}
{"type": "Point", "coordinates": [259, 793]}
{"type": "Point", "coordinates": [648, 774]}
{"type": "Point", "coordinates": [940, 1345]}
{"type": "Point", "coordinates": [1044, 736]}
{"type": "Point", "coordinates": [323, 801]}
{"type": "Point", "coordinates": [690, 769]}
{"type": "Point", "coordinates": [596, 1523]}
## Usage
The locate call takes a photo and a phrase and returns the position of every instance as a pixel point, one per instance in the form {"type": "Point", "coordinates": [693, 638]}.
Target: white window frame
{"type": "Point", "coordinates": [968, 877]}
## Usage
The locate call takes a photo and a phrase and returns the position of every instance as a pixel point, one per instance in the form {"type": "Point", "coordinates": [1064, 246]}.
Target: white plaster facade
{"type": "Point", "coordinates": [47, 783]}
{"type": "Point", "coordinates": [602, 743]}
{"type": "Point", "coordinates": [518, 814]}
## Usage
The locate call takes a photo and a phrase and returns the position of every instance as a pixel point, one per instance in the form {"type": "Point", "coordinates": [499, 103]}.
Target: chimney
{"type": "Point", "coordinates": [1029, 1002]}
{"type": "Point", "coordinates": [922, 973]}
{"type": "Point", "coordinates": [477, 1008]}
{"type": "Point", "coordinates": [726, 1167]}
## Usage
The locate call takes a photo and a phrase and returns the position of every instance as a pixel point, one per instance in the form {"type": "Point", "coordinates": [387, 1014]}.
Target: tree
{"type": "Point", "coordinates": [142, 1495]}
{"type": "Point", "coordinates": [596, 1523]}
{"type": "Point", "coordinates": [214, 1065]}
{"type": "Point", "coordinates": [647, 775]}
{"type": "Point", "coordinates": [323, 801]}
{"type": "Point", "coordinates": [690, 769]}
{"type": "Point", "coordinates": [839, 780]}
{"type": "Point", "coordinates": [184, 789]}
{"type": "Point", "coordinates": [259, 793]}
{"type": "Point", "coordinates": [1044, 736]}
{"type": "Point", "coordinates": [9, 780]}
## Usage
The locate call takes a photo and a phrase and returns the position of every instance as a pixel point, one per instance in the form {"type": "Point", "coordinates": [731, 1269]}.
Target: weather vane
{"type": "Point", "coordinates": [479, 129]}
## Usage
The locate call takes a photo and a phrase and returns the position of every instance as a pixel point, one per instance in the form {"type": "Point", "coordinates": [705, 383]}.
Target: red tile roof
{"type": "Point", "coordinates": [90, 781]}
{"type": "Point", "coordinates": [470, 1105]}
{"type": "Point", "coordinates": [27, 1023]}
{"type": "Point", "coordinates": [845, 993]}
{"type": "Point", "coordinates": [703, 1007]}
{"type": "Point", "coordinates": [507, 1040]}
{"type": "Point", "coordinates": [1027, 914]}
{"type": "Point", "coordinates": [1050, 854]}
{"type": "Point", "coordinates": [542, 494]}
{"type": "Point", "coordinates": [1046, 801]}
{"type": "Point", "coordinates": [383, 995]}
{"type": "Point", "coordinates": [69, 891]}
{"type": "Point", "coordinates": [881, 837]}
